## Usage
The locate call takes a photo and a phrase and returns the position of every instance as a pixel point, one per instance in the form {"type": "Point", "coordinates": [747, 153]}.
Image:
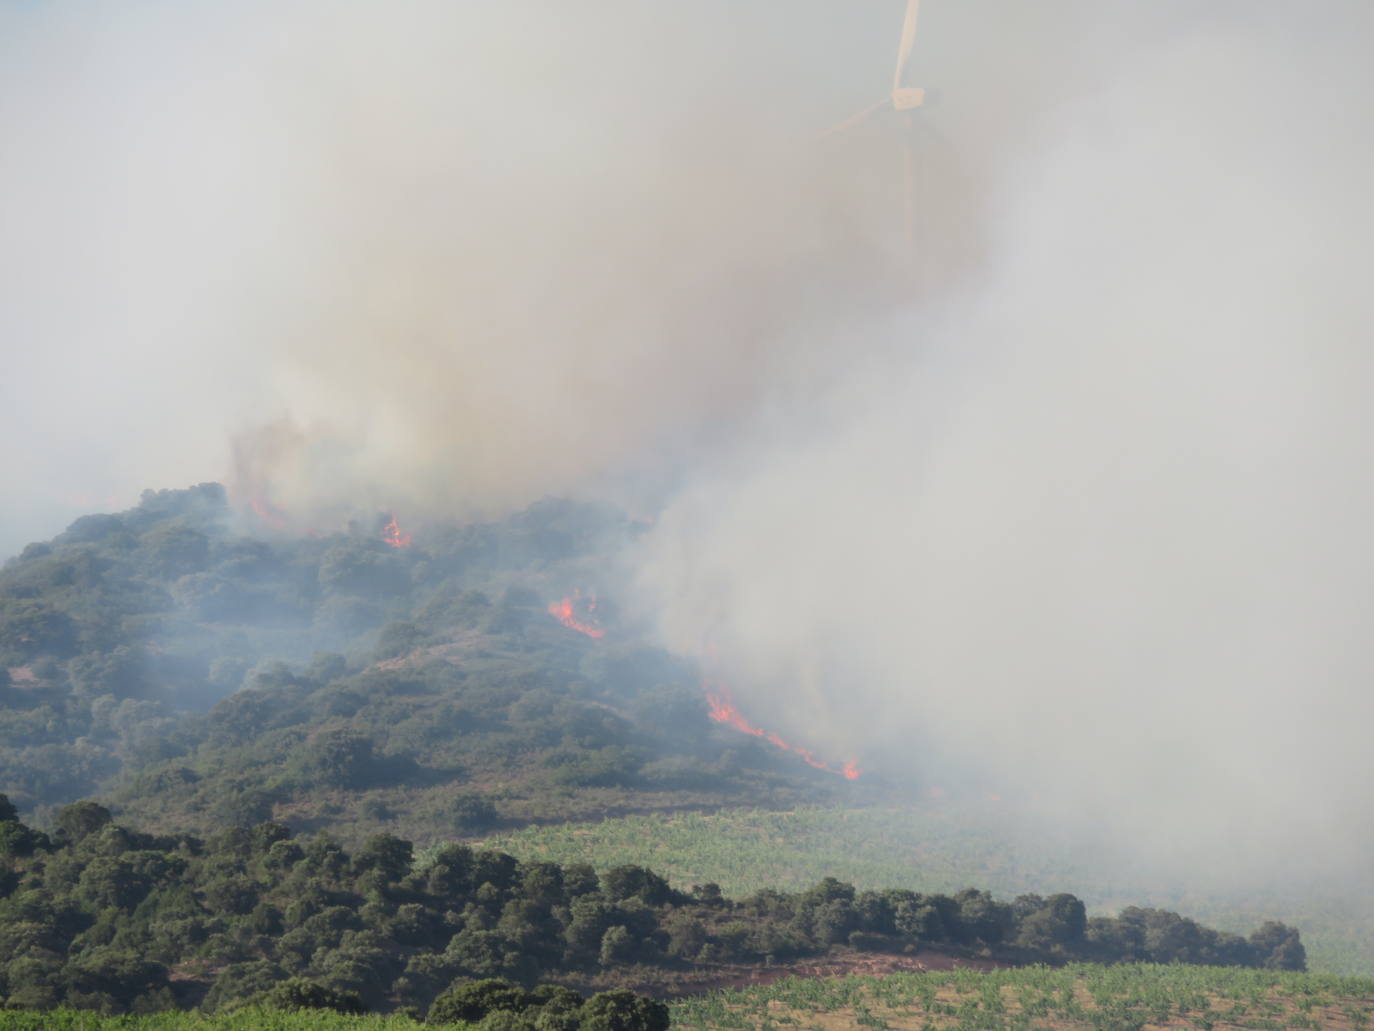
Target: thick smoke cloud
{"type": "Point", "coordinates": [441, 258]}
{"type": "Point", "coordinates": [1092, 468]}
{"type": "Point", "coordinates": [1098, 538]}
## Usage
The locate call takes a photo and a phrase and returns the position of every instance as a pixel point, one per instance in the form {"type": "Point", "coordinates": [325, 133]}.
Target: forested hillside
{"type": "Point", "coordinates": [269, 720]}
{"type": "Point", "coordinates": [198, 670]}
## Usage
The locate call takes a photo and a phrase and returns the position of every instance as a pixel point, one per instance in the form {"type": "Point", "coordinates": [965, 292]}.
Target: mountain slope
{"type": "Point", "coordinates": [199, 671]}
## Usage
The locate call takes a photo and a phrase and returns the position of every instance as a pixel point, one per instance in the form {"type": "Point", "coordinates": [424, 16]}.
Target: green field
{"type": "Point", "coordinates": [1120, 998]}
{"type": "Point", "coordinates": [939, 848]}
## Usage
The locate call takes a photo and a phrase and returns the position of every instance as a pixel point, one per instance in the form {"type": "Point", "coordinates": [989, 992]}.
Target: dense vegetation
{"type": "Point", "coordinates": [1120, 998]}
{"type": "Point", "coordinates": [941, 846]}
{"type": "Point", "coordinates": [100, 916]}
{"type": "Point", "coordinates": [281, 714]}
{"type": "Point", "coordinates": [195, 676]}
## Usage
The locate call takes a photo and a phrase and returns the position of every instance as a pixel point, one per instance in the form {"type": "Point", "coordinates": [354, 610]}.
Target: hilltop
{"type": "Point", "coordinates": [196, 668]}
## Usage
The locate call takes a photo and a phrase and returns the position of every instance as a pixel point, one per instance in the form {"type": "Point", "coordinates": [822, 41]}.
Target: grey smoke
{"type": "Point", "coordinates": [1100, 531]}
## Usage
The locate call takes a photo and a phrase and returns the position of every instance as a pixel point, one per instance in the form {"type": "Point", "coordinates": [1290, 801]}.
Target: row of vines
{"type": "Point", "coordinates": [1096, 998]}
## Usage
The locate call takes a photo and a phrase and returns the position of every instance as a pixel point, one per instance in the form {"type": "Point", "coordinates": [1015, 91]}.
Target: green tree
{"type": "Point", "coordinates": [388, 855]}
{"type": "Point", "coordinates": [80, 819]}
{"type": "Point", "coordinates": [622, 1010]}
{"type": "Point", "coordinates": [617, 946]}
{"type": "Point", "coordinates": [473, 1000]}
{"type": "Point", "coordinates": [300, 994]}
{"type": "Point", "coordinates": [239, 981]}
{"type": "Point", "coordinates": [30, 628]}
{"type": "Point", "coordinates": [686, 935]}
{"type": "Point", "coordinates": [1278, 947]}
{"type": "Point", "coordinates": [338, 759]}
{"type": "Point", "coordinates": [629, 881]}
{"type": "Point", "coordinates": [1059, 924]}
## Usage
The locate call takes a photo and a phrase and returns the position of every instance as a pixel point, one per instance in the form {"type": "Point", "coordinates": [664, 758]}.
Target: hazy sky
{"type": "Point", "coordinates": [473, 253]}
{"type": "Point", "coordinates": [1081, 501]}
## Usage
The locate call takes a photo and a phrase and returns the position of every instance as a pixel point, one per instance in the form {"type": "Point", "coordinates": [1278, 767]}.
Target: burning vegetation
{"type": "Point", "coordinates": [723, 710]}
{"type": "Point", "coordinates": [392, 534]}
{"type": "Point", "coordinates": [578, 613]}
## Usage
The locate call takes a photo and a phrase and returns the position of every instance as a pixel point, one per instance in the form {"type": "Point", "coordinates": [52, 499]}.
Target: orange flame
{"type": "Point", "coordinates": [273, 515]}
{"type": "Point", "coordinates": [395, 536]}
{"type": "Point", "coordinates": [564, 612]}
{"type": "Point", "coordinates": [722, 710]}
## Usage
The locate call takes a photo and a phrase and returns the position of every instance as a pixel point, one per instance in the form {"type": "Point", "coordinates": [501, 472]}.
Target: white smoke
{"type": "Point", "coordinates": [1083, 504]}
{"type": "Point", "coordinates": [1098, 529]}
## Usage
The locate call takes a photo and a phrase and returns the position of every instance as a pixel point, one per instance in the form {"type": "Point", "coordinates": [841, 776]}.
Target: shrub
{"type": "Point", "coordinates": [622, 1010]}
{"type": "Point", "coordinates": [300, 994]}
{"type": "Point", "coordinates": [473, 1000]}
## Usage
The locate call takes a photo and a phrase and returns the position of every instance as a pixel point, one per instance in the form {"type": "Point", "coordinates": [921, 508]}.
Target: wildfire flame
{"type": "Point", "coordinates": [565, 612]}
{"type": "Point", "coordinates": [395, 536]}
{"type": "Point", "coordinates": [721, 706]}
{"type": "Point", "coordinates": [274, 516]}
{"type": "Point", "coordinates": [722, 709]}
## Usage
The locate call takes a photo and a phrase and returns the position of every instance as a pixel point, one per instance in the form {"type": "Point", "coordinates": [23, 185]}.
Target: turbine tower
{"type": "Point", "coordinates": [903, 100]}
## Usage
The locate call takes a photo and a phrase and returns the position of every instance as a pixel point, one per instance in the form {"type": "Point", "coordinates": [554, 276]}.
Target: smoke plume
{"type": "Point", "coordinates": [1094, 534]}
{"type": "Point", "coordinates": [1073, 500]}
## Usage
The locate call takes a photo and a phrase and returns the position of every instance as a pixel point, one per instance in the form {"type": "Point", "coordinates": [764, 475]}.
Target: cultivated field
{"type": "Point", "coordinates": [1074, 998]}
{"type": "Point", "coordinates": [943, 848]}
{"type": "Point", "coordinates": [1093, 998]}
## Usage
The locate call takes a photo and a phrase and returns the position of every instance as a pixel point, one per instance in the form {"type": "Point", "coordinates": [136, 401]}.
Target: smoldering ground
{"type": "Point", "coordinates": [1082, 510]}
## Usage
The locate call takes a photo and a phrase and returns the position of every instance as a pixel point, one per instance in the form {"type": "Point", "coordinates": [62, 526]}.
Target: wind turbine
{"type": "Point", "coordinates": [902, 100]}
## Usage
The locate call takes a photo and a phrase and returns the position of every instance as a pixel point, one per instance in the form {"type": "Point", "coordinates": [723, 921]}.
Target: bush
{"type": "Point", "coordinates": [622, 1010]}
{"type": "Point", "coordinates": [300, 994]}
{"type": "Point", "coordinates": [472, 1000]}
{"type": "Point", "coordinates": [471, 814]}
{"type": "Point", "coordinates": [336, 759]}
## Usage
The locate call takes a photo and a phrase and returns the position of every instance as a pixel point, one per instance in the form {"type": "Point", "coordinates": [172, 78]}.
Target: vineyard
{"type": "Point", "coordinates": [745, 849]}
{"type": "Point", "coordinates": [1093, 998]}
{"type": "Point", "coordinates": [1116, 998]}
{"type": "Point", "coordinates": [936, 849]}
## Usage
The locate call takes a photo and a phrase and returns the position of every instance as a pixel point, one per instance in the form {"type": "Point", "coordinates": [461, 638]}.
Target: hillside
{"type": "Point", "coordinates": [273, 722]}
{"type": "Point", "coordinates": [196, 669]}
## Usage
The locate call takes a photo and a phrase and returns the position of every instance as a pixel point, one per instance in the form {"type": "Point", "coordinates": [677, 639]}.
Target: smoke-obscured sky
{"type": "Point", "coordinates": [1079, 498]}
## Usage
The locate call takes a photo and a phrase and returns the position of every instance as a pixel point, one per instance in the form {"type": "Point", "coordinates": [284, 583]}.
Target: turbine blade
{"type": "Point", "coordinates": [913, 7]}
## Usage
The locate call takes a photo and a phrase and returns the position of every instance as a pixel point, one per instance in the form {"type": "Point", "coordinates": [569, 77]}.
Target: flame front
{"type": "Point", "coordinates": [565, 612]}
{"type": "Point", "coordinates": [578, 613]}
{"type": "Point", "coordinates": [273, 516]}
{"type": "Point", "coordinates": [395, 536]}
{"type": "Point", "coordinates": [722, 709]}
